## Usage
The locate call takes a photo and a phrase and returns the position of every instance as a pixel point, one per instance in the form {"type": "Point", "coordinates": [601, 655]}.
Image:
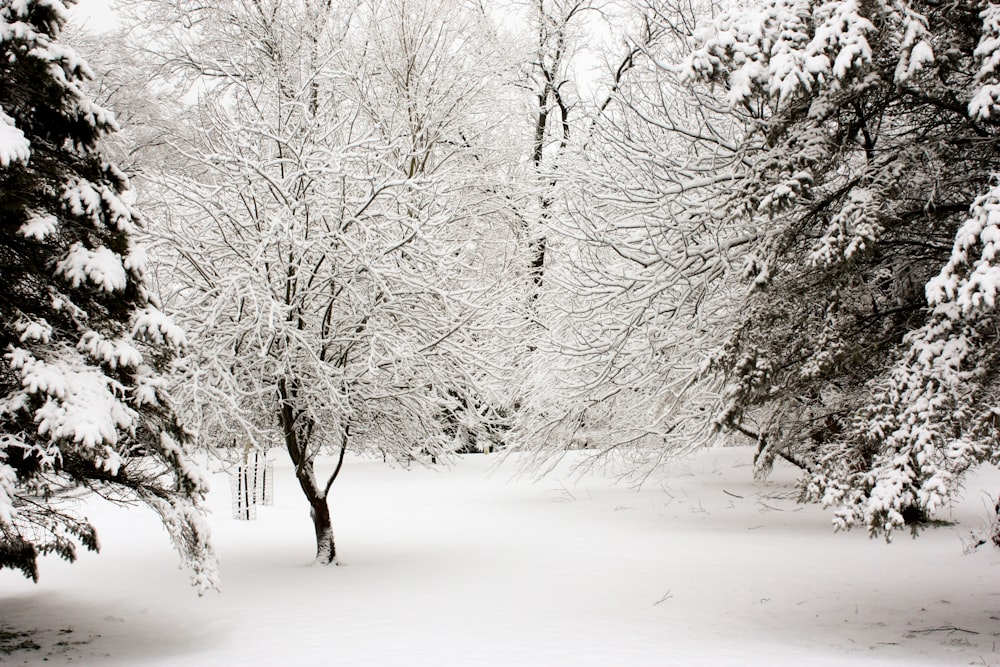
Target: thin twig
{"type": "Point", "coordinates": [777, 509]}
{"type": "Point", "coordinates": [945, 628]}
{"type": "Point", "coordinates": [666, 596]}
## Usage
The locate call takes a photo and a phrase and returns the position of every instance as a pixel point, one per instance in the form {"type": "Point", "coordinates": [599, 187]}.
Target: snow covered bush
{"type": "Point", "coordinates": [873, 129]}
{"type": "Point", "coordinates": [84, 346]}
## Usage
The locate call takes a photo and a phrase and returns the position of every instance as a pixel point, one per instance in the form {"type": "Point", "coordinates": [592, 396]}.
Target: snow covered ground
{"type": "Point", "coordinates": [457, 566]}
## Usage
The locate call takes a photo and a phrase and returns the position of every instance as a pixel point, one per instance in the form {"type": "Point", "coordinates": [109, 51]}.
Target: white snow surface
{"type": "Point", "coordinates": [464, 566]}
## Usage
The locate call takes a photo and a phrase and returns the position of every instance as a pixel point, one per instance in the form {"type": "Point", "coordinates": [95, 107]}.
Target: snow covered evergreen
{"type": "Point", "coordinates": [83, 405]}
{"type": "Point", "coordinates": [873, 130]}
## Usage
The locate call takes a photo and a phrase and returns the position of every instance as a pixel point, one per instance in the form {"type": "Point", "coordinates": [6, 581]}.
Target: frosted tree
{"type": "Point", "coordinates": [644, 275]}
{"type": "Point", "coordinates": [934, 416]}
{"type": "Point", "coordinates": [555, 31]}
{"type": "Point", "coordinates": [326, 228]}
{"type": "Point", "coordinates": [125, 81]}
{"type": "Point", "coordinates": [556, 24]}
{"type": "Point", "coordinates": [84, 402]}
{"type": "Point", "coordinates": [858, 357]}
{"type": "Point", "coordinates": [451, 126]}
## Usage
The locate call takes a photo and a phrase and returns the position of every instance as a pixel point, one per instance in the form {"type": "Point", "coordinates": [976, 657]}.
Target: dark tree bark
{"type": "Point", "coordinates": [297, 429]}
{"type": "Point", "coordinates": [319, 510]}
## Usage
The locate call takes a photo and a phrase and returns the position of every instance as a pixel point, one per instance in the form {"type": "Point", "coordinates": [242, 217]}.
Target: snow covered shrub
{"type": "Point", "coordinates": [83, 404]}
{"type": "Point", "coordinates": [874, 128]}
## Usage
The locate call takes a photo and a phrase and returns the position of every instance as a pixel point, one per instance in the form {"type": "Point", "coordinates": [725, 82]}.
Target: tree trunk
{"type": "Point", "coordinates": [319, 510]}
{"type": "Point", "coordinates": [326, 549]}
{"type": "Point", "coordinates": [297, 432]}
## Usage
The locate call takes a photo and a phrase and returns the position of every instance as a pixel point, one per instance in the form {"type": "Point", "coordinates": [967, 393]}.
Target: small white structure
{"type": "Point", "coordinates": [252, 484]}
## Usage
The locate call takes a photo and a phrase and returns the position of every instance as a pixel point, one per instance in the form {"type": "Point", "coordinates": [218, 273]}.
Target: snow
{"type": "Point", "coordinates": [853, 229]}
{"type": "Point", "coordinates": [100, 267]}
{"type": "Point", "coordinates": [8, 480]}
{"type": "Point", "coordinates": [39, 227]}
{"type": "Point", "coordinates": [976, 289]}
{"type": "Point", "coordinates": [114, 353]}
{"type": "Point", "coordinates": [154, 325]}
{"type": "Point", "coordinates": [14, 146]}
{"type": "Point", "coordinates": [984, 104]}
{"type": "Point", "coordinates": [83, 199]}
{"type": "Point", "coordinates": [23, 9]}
{"type": "Point", "coordinates": [39, 330]}
{"type": "Point", "coordinates": [457, 566]}
{"type": "Point", "coordinates": [775, 49]}
{"type": "Point", "coordinates": [87, 411]}
{"type": "Point", "coordinates": [80, 402]}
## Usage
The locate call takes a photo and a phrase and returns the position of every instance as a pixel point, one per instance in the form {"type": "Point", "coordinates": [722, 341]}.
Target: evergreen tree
{"type": "Point", "coordinates": [84, 345]}
{"type": "Point", "coordinates": [873, 129]}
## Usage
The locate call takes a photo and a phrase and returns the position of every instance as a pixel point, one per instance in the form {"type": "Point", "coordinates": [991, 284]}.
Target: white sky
{"type": "Point", "coordinates": [95, 15]}
{"type": "Point", "coordinates": [590, 71]}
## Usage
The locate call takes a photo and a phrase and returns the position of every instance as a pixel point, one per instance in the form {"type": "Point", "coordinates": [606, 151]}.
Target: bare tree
{"type": "Point", "coordinates": [646, 276]}
{"type": "Point", "coordinates": [556, 27]}
{"type": "Point", "coordinates": [323, 229]}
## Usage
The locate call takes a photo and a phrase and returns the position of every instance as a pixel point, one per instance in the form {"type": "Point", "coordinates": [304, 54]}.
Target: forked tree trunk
{"type": "Point", "coordinates": [297, 443]}
{"type": "Point", "coordinates": [319, 509]}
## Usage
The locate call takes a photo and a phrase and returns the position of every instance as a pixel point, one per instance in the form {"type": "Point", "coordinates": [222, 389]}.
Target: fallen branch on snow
{"type": "Point", "coordinates": [944, 628]}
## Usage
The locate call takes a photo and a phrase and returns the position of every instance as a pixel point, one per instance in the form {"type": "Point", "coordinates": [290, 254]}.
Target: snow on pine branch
{"type": "Point", "coordinates": [154, 325]}
{"type": "Point", "coordinates": [8, 482]}
{"type": "Point", "coordinates": [100, 204]}
{"type": "Point", "coordinates": [26, 10]}
{"type": "Point", "coordinates": [30, 30]}
{"type": "Point", "coordinates": [14, 146]}
{"type": "Point", "coordinates": [794, 48]}
{"type": "Point", "coordinates": [985, 104]}
{"type": "Point", "coordinates": [39, 227]}
{"type": "Point", "coordinates": [100, 267]}
{"type": "Point", "coordinates": [114, 353]}
{"type": "Point", "coordinates": [786, 50]}
{"type": "Point", "coordinates": [37, 330]}
{"type": "Point", "coordinates": [971, 278]}
{"type": "Point", "coordinates": [853, 229]}
{"type": "Point", "coordinates": [79, 403]}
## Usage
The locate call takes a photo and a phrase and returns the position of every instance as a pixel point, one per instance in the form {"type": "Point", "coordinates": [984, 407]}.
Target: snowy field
{"type": "Point", "coordinates": [461, 566]}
